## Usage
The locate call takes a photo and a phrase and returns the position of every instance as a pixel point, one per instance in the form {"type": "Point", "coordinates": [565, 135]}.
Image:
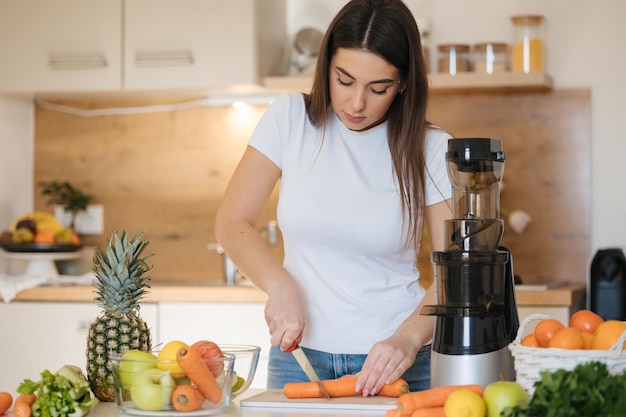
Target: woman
{"type": "Point", "coordinates": [359, 169]}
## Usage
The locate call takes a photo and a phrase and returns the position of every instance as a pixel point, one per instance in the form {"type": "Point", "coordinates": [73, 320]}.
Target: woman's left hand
{"type": "Point", "coordinates": [386, 361]}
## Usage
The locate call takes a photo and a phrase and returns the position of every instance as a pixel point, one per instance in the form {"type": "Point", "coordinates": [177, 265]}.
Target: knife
{"type": "Point", "coordinates": [306, 366]}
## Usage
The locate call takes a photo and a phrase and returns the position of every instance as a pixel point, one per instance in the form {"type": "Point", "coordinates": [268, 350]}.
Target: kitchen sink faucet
{"type": "Point", "coordinates": [229, 271]}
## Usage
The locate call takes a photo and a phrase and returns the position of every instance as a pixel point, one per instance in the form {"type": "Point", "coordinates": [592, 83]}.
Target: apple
{"type": "Point", "coordinates": [501, 394]}
{"type": "Point", "coordinates": [132, 362]}
{"type": "Point", "coordinates": [152, 389]}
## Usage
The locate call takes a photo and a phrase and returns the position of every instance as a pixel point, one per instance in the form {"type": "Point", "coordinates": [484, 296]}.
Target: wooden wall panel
{"type": "Point", "coordinates": [166, 172]}
{"type": "Point", "coordinates": [162, 172]}
{"type": "Point", "coordinates": [546, 139]}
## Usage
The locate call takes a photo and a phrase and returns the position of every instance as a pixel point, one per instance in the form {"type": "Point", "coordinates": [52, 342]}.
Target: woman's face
{"type": "Point", "coordinates": [362, 87]}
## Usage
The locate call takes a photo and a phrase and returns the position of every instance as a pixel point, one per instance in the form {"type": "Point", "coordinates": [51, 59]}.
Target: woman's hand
{"type": "Point", "coordinates": [389, 359]}
{"type": "Point", "coordinates": [284, 313]}
{"type": "Point", "coordinates": [386, 361]}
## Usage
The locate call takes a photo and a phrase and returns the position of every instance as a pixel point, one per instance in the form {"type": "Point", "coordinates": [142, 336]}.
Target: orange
{"type": "Point", "coordinates": [567, 338]}
{"type": "Point", "coordinates": [44, 236]}
{"type": "Point", "coordinates": [587, 338]}
{"type": "Point", "coordinates": [546, 329]}
{"type": "Point", "coordinates": [607, 334]}
{"type": "Point", "coordinates": [585, 321]}
{"type": "Point", "coordinates": [529, 340]}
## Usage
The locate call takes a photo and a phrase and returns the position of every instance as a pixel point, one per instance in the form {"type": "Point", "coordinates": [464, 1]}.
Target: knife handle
{"type": "Point", "coordinates": [294, 345]}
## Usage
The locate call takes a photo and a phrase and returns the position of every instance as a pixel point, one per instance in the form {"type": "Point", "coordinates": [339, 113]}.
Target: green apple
{"type": "Point", "coordinates": [132, 362]}
{"type": "Point", "coordinates": [502, 394]}
{"type": "Point", "coordinates": [152, 389]}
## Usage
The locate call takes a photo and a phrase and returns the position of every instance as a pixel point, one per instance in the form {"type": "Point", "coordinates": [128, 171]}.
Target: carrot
{"type": "Point", "coordinates": [6, 400]}
{"type": "Point", "coordinates": [395, 389]}
{"type": "Point", "coordinates": [429, 412]}
{"type": "Point", "coordinates": [27, 398]}
{"type": "Point", "coordinates": [340, 387]}
{"type": "Point", "coordinates": [392, 412]}
{"type": "Point", "coordinates": [187, 398]}
{"type": "Point", "coordinates": [429, 398]}
{"type": "Point", "coordinates": [194, 367]}
{"type": "Point", "coordinates": [22, 405]}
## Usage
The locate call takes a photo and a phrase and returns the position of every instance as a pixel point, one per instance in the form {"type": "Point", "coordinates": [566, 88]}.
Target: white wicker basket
{"type": "Point", "coordinates": [531, 361]}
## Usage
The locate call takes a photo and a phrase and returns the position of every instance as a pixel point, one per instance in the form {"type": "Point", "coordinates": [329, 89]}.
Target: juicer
{"type": "Point", "coordinates": [475, 311]}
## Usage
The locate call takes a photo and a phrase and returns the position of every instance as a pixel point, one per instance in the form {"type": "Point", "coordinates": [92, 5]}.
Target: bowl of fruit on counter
{"type": "Point", "coordinates": [187, 379]}
{"type": "Point", "coordinates": [39, 231]}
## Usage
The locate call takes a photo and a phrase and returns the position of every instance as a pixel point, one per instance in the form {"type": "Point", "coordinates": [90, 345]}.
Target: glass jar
{"type": "Point", "coordinates": [490, 57]}
{"type": "Point", "coordinates": [454, 58]}
{"type": "Point", "coordinates": [527, 53]}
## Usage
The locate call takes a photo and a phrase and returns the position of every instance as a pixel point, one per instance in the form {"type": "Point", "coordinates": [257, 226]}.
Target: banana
{"type": "Point", "coordinates": [43, 220]}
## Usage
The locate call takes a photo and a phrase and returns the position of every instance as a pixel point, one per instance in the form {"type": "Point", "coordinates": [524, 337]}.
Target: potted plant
{"type": "Point", "coordinates": [65, 195]}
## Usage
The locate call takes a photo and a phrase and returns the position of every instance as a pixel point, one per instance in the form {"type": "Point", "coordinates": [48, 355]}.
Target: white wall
{"type": "Point", "coordinates": [16, 160]}
{"type": "Point", "coordinates": [584, 42]}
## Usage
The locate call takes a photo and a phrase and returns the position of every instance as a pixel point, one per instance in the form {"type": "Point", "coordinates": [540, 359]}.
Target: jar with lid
{"type": "Point", "coordinates": [490, 57]}
{"type": "Point", "coordinates": [527, 53]}
{"type": "Point", "coordinates": [454, 58]}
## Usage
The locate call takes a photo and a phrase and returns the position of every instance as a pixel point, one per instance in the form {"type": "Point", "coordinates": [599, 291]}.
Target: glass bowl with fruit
{"type": "Point", "coordinates": [178, 380]}
{"type": "Point", "coordinates": [246, 361]}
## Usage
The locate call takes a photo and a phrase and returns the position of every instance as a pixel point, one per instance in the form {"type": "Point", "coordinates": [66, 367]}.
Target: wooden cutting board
{"type": "Point", "coordinates": [276, 399]}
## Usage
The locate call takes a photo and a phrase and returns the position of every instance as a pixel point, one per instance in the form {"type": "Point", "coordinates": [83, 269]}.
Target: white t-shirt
{"type": "Point", "coordinates": [340, 214]}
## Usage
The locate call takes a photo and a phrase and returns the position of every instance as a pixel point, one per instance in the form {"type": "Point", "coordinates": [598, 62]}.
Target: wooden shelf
{"type": "Point", "coordinates": [467, 81]}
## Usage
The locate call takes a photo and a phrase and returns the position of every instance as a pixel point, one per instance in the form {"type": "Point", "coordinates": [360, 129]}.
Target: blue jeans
{"type": "Point", "coordinates": [283, 367]}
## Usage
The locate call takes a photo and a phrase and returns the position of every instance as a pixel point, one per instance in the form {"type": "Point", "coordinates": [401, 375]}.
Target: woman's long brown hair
{"type": "Point", "coordinates": [388, 29]}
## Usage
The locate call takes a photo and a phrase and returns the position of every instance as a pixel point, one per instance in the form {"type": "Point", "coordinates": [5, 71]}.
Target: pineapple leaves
{"type": "Point", "coordinates": [119, 270]}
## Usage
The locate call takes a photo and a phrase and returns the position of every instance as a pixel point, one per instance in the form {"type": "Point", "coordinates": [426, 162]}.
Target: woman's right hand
{"type": "Point", "coordinates": [284, 313]}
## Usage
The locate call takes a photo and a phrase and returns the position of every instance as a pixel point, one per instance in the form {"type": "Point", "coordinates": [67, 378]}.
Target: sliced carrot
{"type": "Point", "coordinates": [194, 366]}
{"type": "Point", "coordinates": [429, 412]}
{"type": "Point", "coordinates": [187, 398]}
{"type": "Point", "coordinates": [429, 398]}
{"type": "Point", "coordinates": [6, 400]}
{"type": "Point", "coordinates": [340, 387]}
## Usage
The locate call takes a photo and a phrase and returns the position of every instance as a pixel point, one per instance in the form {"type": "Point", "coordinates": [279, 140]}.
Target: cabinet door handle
{"type": "Point", "coordinates": [164, 59]}
{"type": "Point", "coordinates": [75, 62]}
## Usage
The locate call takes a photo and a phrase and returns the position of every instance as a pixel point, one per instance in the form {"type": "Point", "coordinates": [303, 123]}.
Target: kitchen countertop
{"type": "Point", "coordinates": [110, 409]}
{"type": "Point", "coordinates": [565, 295]}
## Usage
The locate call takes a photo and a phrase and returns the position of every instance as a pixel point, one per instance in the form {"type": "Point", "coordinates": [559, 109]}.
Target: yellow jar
{"type": "Point", "coordinates": [527, 53]}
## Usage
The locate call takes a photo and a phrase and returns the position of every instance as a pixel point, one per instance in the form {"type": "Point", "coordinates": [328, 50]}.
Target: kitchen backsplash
{"type": "Point", "coordinates": [162, 172]}
{"type": "Point", "coordinates": [165, 173]}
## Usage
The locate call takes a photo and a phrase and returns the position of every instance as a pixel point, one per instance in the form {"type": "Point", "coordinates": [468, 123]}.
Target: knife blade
{"type": "Point", "coordinates": [306, 366]}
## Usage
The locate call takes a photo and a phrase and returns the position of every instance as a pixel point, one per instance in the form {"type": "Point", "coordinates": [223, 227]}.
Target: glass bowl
{"type": "Point", "coordinates": [246, 361]}
{"type": "Point", "coordinates": [146, 386]}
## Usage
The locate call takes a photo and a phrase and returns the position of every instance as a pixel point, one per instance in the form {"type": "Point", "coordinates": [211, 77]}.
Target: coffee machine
{"type": "Point", "coordinates": [475, 311]}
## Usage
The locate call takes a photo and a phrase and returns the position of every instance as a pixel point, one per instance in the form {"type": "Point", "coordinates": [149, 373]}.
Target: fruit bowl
{"type": "Point", "coordinates": [147, 386]}
{"type": "Point", "coordinates": [246, 361]}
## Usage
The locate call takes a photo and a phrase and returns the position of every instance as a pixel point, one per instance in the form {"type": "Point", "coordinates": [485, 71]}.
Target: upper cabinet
{"type": "Point", "coordinates": [60, 45]}
{"type": "Point", "coordinates": [113, 45]}
{"type": "Point", "coordinates": [201, 43]}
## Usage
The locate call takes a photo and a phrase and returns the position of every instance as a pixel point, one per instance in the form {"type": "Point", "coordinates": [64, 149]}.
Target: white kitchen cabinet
{"type": "Point", "coordinates": [201, 43]}
{"type": "Point", "coordinates": [222, 323]}
{"type": "Point", "coordinates": [47, 335]}
{"type": "Point", "coordinates": [127, 45]}
{"type": "Point", "coordinates": [61, 45]}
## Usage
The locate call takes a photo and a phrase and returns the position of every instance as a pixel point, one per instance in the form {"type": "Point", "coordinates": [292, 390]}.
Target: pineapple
{"type": "Point", "coordinates": [119, 286]}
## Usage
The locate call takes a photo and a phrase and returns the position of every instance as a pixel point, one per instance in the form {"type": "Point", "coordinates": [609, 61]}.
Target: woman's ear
{"type": "Point", "coordinates": [402, 87]}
